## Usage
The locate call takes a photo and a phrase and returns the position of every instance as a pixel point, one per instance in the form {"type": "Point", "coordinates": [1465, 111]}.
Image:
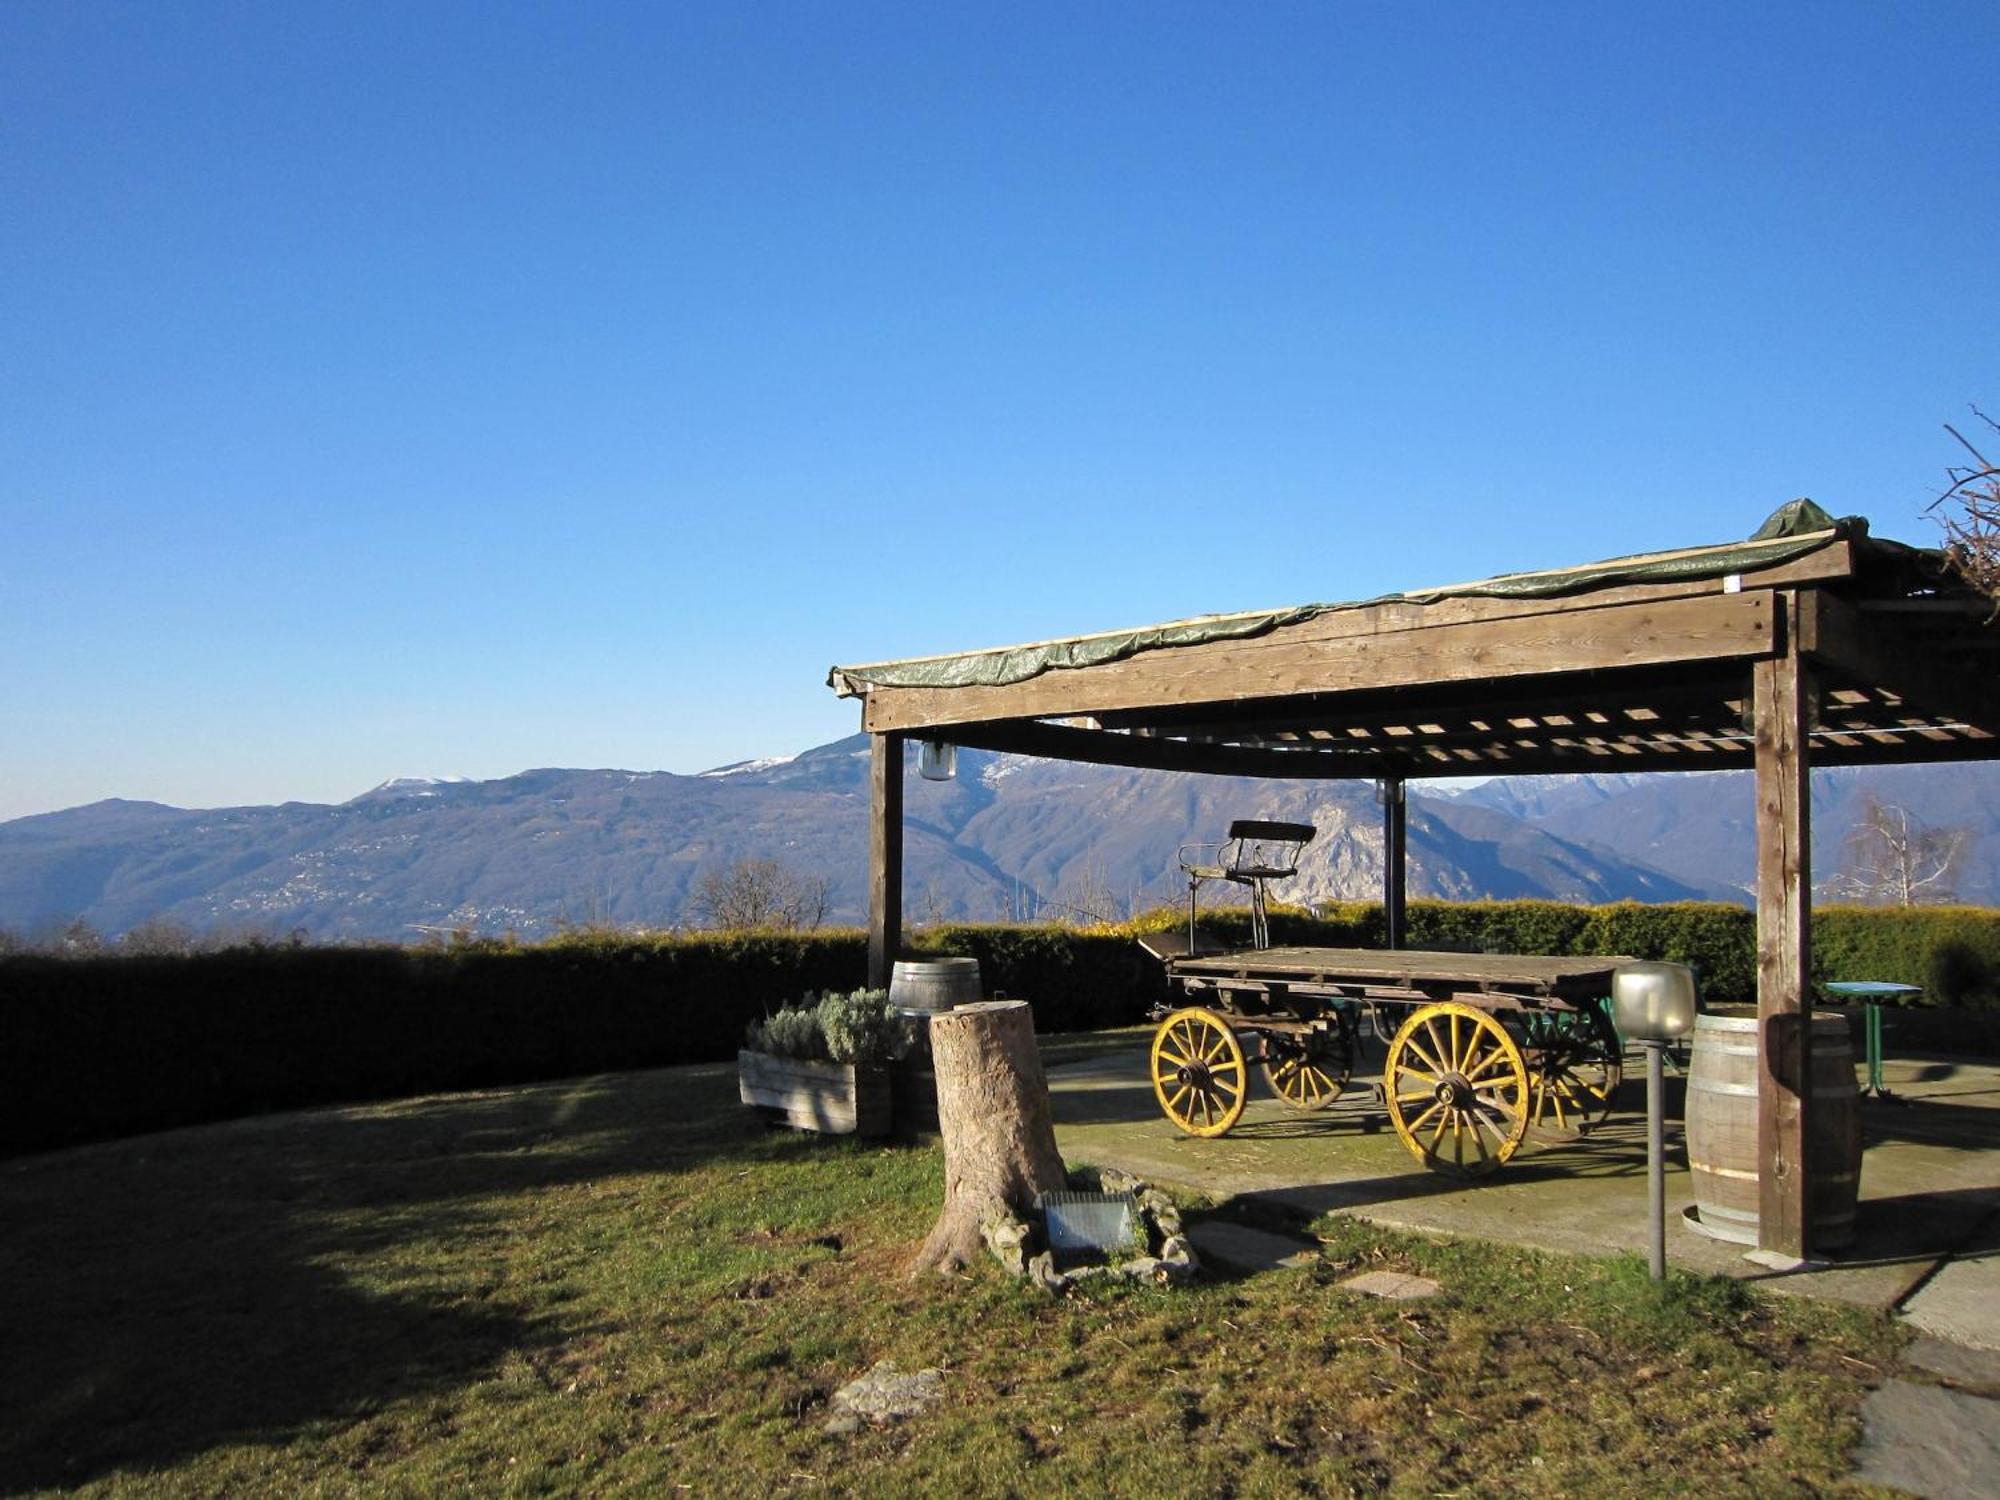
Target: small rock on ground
{"type": "Point", "coordinates": [1942, 1444]}
{"type": "Point", "coordinates": [884, 1394]}
{"type": "Point", "coordinates": [1394, 1285]}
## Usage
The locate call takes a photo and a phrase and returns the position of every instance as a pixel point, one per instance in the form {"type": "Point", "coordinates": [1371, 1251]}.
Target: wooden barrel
{"type": "Point", "coordinates": [920, 989]}
{"type": "Point", "coordinates": [1722, 1127]}
{"type": "Point", "coordinates": [933, 984]}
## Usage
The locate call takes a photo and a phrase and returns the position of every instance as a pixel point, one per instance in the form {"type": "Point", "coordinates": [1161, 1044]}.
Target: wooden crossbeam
{"type": "Point", "coordinates": [1672, 694]}
{"type": "Point", "coordinates": [1515, 755]}
{"type": "Point", "coordinates": [1460, 742]}
{"type": "Point", "coordinates": [1149, 752]}
{"type": "Point", "coordinates": [1294, 661]}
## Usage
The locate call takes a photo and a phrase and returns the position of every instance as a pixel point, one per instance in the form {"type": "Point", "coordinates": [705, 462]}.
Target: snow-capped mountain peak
{"type": "Point", "coordinates": [415, 786]}
{"type": "Point", "coordinates": [746, 767]}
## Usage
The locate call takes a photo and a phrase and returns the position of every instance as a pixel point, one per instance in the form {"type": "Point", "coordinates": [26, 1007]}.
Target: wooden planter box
{"type": "Point", "coordinates": [834, 1098]}
{"type": "Point", "coordinates": [914, 1087]}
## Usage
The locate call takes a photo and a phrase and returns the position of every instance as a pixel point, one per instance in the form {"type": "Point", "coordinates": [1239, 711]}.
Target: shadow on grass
{"type": "Point", "coordinates": [166, 1295]}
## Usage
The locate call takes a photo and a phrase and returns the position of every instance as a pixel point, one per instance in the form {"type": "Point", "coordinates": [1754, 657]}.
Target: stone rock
{"type": "Point", "coordinates": [1008, 1240]}
{"type": "Point", "coordinates": [883, 1395]}
{"type": "Point", "coordinates": [1042, 1271]}
{"type": "Point", "coordinates": [1179, 1251]}
{"type": "Point", "coordinates": [1161, 1210]}
{"type": "Point", "coordinates": [1176, 1271]}
{"type": "Point", "coordinates": [1112, 1180]}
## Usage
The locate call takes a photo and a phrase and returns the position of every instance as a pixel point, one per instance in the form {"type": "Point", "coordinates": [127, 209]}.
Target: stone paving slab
{"type": "Point", "coordinates": [1248, 1250]}
{"type": "Point", "coordinates": [1975, 1369]}
{"type": "Point", "coordinates": [1396, 1286]}
{"type": "Point", "coordinates": [1929, 1178]}
{"type": "Point", "coordinates": [1962, 1301]}
{"type": "Point", "coordinates": [1934, 1442]}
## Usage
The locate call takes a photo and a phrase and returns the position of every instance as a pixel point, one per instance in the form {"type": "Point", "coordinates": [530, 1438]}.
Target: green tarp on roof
{"type": "Point", "coordinates": [1792, 531]}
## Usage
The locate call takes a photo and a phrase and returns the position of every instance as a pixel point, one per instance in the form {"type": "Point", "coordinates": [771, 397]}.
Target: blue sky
{"type": "Point", "coordinates": [429, 389]}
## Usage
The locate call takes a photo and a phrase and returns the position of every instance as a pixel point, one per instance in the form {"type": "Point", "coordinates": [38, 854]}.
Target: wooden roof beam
{"type": "Point", "coordinates": [1151, 753]}
{"type": "Point", "coordinates": [1655, 696]}
{"type": "Point", "coordinates": [1285, 663]}
{"type": "Point", "coordinates": [1876, 652]}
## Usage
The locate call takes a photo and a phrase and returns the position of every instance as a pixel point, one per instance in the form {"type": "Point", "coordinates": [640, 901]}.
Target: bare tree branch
{"type": "Point", "coordinates": [1969, 512]}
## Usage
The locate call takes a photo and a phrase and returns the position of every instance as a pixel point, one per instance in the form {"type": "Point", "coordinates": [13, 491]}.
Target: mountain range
{"type": "Point", "coordinates": [1009, 838]}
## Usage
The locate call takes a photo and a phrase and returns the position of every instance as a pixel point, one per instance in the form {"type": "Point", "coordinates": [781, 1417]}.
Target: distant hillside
{"type": "Point", "coordinates": [1700, 826]}
{"type": "Point", "coordinates": [1009, 838]}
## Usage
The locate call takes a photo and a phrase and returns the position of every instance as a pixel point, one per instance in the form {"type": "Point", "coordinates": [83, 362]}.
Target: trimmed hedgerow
{"type": "Point", "coordinates": [1953, 952]}
{"type": "Point", "coordinates": [99, 1047]}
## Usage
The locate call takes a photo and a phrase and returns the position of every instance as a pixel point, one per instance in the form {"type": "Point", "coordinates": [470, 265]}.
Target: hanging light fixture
{"type": "Point", "coordinates": [936, 760]}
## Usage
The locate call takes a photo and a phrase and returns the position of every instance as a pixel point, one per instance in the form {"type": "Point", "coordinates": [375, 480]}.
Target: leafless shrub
{"type": "Point", "coordinates": [1894, 860]}
{"type": "Point", "coordinates": [1084, 899]}
{"type": "Point", "coordinates": [761, 893]}
{"type": "Point", "coordinates": [158, 937]}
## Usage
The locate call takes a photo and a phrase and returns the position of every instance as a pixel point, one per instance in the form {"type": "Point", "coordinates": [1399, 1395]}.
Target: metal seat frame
{"type": "Point", "coordinates": [1255, 853]}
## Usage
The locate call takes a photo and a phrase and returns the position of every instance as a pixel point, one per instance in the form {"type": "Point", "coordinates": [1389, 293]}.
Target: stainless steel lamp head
{"type": "Point", "coordinates": [1653, 1002]}
{"type": "Point", "coordinates": [937, 760]}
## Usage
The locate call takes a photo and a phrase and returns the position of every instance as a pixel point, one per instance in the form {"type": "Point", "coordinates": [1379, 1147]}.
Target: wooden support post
{"type": "Point", "coordinates": [1395, 858]}
{"type": "Point", "coordinates": [1781, 708]}
{"type": "Point", "coordinates": [885, 856]}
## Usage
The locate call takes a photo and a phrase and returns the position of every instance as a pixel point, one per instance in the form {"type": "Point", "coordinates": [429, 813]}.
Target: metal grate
{"type": "Point", "coordinates": [1089, 1226]}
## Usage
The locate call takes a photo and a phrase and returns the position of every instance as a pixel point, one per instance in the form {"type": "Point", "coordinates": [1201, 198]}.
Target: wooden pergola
{"type": "Point", "coordinates": [1813, 644]}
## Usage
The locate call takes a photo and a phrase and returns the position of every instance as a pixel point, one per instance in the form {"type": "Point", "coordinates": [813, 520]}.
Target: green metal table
{"type": "Point", "coordinates": [1872, 992]}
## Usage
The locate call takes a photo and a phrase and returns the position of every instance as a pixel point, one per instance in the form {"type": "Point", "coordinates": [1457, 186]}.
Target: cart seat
{"type": "Point", "coordinates": [1256, 852]}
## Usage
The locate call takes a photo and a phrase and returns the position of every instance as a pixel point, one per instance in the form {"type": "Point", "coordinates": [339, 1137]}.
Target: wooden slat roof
{"type": "Point", "coordinates": [1610, 667]}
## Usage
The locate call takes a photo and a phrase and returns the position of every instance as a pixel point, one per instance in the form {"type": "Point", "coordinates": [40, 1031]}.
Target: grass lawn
{"type": "Point", "coordinates": [625, 1284]}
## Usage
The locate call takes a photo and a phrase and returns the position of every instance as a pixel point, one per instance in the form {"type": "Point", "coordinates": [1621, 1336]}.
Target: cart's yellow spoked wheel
{"type": "Point", "coordinates": [1574, 1068]}
{"type": "Point", "coordinates": [1309, 1069]}
{"type": "Point", "coordinates": [1198, 1072]}
{"type": "Point", "coordinates": [1457, 1089]}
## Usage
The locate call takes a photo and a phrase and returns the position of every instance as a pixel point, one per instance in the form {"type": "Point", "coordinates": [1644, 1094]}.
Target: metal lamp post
{"type": "Point", "coordinates": [1654, 1004]}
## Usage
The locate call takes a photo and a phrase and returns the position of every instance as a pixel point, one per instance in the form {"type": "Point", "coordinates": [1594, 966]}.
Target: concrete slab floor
{"type": "Point", "coordinates": [1961, 1302]}
{"type": "Point", "coordinates": [1930, 1441]}
{"type": "Point", "coordinates": [1929, 1184]}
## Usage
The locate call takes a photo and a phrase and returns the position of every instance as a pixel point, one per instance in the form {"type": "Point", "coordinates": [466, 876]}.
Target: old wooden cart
{"type": "Point", "coordinates": [1480, 1046]}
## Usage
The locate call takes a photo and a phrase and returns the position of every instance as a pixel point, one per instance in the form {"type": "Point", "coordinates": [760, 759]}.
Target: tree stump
{"type": "Point", "coordinates": [993, 1112]}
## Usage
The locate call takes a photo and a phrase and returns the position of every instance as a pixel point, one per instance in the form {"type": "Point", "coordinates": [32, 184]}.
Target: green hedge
{"type": "Point", "coordinates": [1953, 952]}
{"type": "Point", "coordinates": [91, 1048]}
{"type": "Point", "coordinates": [101, 1047]}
